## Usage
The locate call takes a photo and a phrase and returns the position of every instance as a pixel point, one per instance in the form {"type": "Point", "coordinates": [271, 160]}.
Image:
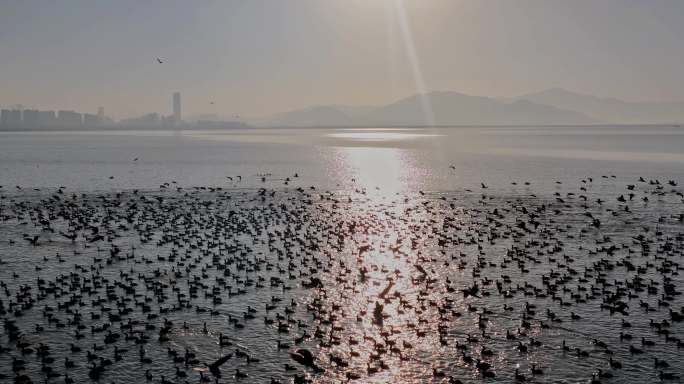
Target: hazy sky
{"type": "Point", "coordinates": [256, 57]}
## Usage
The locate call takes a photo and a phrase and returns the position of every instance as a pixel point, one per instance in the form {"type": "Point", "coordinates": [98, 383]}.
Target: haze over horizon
{"type": "Point", "coordinates": [260, 58]}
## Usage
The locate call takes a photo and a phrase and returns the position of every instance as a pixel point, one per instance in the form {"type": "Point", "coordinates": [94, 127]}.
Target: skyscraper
{"type": "Point", "coordinates": [177, 107]}
{"type": "Point", "coordinates": [10, 116]}
{"type": "Point", "coordinates": [47, 117]}
{"type": "Point", "coordinates": [69, 118]}
{"type": "Point", "coordinates": [31, 117]}
{"type": "Point", "coordinates": [90, 119]}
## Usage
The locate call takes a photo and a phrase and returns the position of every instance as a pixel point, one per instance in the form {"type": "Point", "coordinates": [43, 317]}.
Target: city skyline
{"type": "Point", "coordinates": [257, 58]}
{"type": "Point", "coordinates": [19, 117]}
{"type": "Point", "coordinates": [19, 114]}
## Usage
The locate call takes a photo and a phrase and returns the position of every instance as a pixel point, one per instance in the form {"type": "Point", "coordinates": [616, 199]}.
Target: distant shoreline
{"type": "Point", "coordinates": [250, 127]}
{"type": "Point", "coordinates": [122, 128]}
{"type": "Point", "coordinates": [472, 126]}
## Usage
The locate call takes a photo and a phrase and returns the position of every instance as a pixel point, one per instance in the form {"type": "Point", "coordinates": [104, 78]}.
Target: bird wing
{"type": "Point", "coordinates": [220, 361]}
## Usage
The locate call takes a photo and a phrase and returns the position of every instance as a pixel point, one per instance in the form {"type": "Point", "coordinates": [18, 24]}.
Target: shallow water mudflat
{"type": "Point", "coordinates": [576, 283]}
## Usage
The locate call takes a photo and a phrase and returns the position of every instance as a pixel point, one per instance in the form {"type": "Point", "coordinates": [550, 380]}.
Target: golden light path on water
{"type": "Point", "coordinates": [397, 318]}
{"type": "Point", "coordinates": [379, 171]}
{"type": "Point", "coordinates": [381, 340]}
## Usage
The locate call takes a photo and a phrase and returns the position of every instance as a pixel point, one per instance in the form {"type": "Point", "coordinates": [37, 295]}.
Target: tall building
{"type": "Point", "coordinates": [10, 117]}
{"type": "Point", "coordinates": [69, 118]}
{"type": "Point", "coordinates": [4, 116]}
{"type": "Point", "coordinates": [90, 119]}
{"type": "Point", "coordinates": [177, 107]}
{"type": "Point", "coordinates": [46, 117]}
{"type": "Point", "coordinates": [100, 114]}
{"type": "Point", "coordinates": [31, 117]}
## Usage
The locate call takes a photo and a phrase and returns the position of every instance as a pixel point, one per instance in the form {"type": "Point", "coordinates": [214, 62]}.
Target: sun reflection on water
{"type": "Point", "coordinates": [378, 171]}
{"type": "Point", "coordinates": [378, 135]}
{"type": "Point", "coordinates": [377, 286]}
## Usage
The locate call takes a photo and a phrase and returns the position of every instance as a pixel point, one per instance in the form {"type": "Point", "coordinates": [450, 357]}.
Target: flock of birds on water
{"type": "Point", "coordinates": [285, 284]}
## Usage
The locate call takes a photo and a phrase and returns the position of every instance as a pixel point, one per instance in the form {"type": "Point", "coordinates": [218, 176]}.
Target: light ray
{"type": "Point", "coordinates": [414, 61]}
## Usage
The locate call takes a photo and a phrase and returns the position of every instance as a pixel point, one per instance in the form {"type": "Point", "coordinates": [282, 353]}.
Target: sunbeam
{"type": "Point", "coordinates": [407, 35]}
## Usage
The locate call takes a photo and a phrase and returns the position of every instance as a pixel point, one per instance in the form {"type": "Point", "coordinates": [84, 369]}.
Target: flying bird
{"type": "Point", "coordinates": [214, 367]}
{"type": "Point", "coordinates": [159, 60]}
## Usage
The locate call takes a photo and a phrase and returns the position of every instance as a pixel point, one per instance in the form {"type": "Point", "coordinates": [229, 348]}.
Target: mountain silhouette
{"type": "Point", "coordinates": [444, 108]}
{"type": "Point", "coordinates": [609, 110]}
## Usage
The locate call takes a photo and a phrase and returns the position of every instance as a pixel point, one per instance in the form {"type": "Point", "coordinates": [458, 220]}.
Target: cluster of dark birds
{"type": "Point", "coordinates": [275, 285]}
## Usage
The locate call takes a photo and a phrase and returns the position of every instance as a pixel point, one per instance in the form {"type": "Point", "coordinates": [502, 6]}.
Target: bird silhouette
{"type": "Point", "coordinates": [214, 367]}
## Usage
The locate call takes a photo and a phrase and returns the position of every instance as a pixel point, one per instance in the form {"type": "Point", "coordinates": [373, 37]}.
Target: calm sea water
{"type": "Point", "coordinates": [395, 193]}
{"type": "Point", "coordinates": [394, 160]}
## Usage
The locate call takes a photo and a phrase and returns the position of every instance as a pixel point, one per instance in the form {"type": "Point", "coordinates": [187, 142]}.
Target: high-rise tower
{"type": "Point", "coordinates": [177, 107]}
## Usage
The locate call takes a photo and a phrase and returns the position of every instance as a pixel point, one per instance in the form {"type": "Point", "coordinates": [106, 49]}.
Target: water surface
{"type": "Point", "coordinates": [402, 218]}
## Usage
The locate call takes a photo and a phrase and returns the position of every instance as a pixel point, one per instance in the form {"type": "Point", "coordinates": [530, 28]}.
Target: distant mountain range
{"type": "Point", "coordinates": [550, 107]}
{"type": "Point", "coordinates": [610, 110]}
